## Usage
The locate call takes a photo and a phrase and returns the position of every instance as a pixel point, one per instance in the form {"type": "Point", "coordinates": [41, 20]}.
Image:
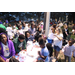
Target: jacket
{"type": "Point", "coordinates": [11, 49]}
{"type": "Point", "coordinates": [16, 44]}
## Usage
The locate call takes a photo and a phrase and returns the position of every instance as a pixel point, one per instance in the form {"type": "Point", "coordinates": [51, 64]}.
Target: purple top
{"type": "Point", "coordinates": [11, 49]}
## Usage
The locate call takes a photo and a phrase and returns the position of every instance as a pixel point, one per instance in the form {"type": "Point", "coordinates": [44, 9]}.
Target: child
{"type": "Point", "coordinates": [44, 53]}
{"type": "Point", "coordinates": [68, 49]}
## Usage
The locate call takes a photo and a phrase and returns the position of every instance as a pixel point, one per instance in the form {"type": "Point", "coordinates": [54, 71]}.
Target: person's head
{"type": "Point", "coordinates": [49, 46]}
{"type": "Point", "coordinates": [28, 34]}
{"type": "Point", "coordinates": [20, 26]}
{"type": "Point", "coordinates": [39, 29]}
{"type": "Point", "coordinates": [9, 25]}
{"type": "Point", "coordinates": [54, 26]}
{"type": "Point", "coordinates": [28, 25]}
{"type": "Point", "coordinates": [19, 22]}
{"type": "Point", "coordinates": [3, 38]}
{"type": "Point", "coordinates": [32, 25]}
{"type": "Point", "coordinates": [24, 24]}
{"type": "Point", "coordinates": [21, 37]}
{"type": "Point", "coordinates": [41, 42]}
{"type": "Point", "coordinates": [58, 30]}
{"type": "Point", "coordinates": [65, 26]}
{"type": "Point", "coordinates": [53, 30]}
{"type": "Point", "coordinates": [70, 42]}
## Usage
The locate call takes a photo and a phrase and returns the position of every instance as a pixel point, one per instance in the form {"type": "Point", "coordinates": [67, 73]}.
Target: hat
{"type": "Point", "coordinates": [21, 36]}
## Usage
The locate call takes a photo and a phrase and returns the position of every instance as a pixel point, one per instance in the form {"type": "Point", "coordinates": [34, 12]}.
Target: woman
{"type": "Point", "coordinates": [65, 34]}
{"type": "Point", "coordinates": [51, 36]}
{"type": "Point", "coordinates": [28, 37]}
{"type": "Point", "coordinates": [57, 42]}
{"type": "Point", "coordinates": [6, 48]}
{"type": "Point", "coordinates": [38, 34]}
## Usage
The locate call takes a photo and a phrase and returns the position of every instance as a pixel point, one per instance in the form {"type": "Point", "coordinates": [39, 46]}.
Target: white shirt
{"type": "Point", "coordinates": [6, 50]}
{"type": "Point", "coordinates": [9, 30]}
{"type": "Point", "coordinates": [15, 31]}
{"type": "Point", "coordinates": [20, 45]}
{"type": "Point", "coordinates": [57, 42]}
{"type": "Point", "coordinates": [51, 36]}
{"type": "Point", "coordinates": [68, 50]}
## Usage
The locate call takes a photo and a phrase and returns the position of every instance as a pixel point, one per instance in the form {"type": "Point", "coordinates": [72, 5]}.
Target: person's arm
{"type": "Point", "coordinates": [60, 38]}
{"type": "Point", "coordinates": [13, 49]}
{"type": "Point", "coordinates": [24, 44]}
{"type": "Point", "coordinates": [15, 46]}
{"type": "Point", "coordinates": [43, 57]}
{"type": "Point", "coordinates": [1, 59]}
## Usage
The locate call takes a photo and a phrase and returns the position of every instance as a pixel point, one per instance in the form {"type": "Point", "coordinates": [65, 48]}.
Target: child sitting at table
{"type": "Point", "coordinates": [44, 53]}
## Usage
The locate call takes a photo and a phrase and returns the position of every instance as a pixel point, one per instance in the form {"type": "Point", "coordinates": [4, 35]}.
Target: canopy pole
{"type": "Point", "coordinates": [47, 23]}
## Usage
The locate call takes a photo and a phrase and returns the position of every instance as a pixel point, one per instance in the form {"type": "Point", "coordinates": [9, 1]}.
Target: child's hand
{"type": "Point", "coordinates": [34, 41]}
{"type": "Point", "coordinates": [7, 60]}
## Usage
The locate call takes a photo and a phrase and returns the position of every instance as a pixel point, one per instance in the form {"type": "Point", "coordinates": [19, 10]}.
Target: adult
{"type": "Point", "coordinates": [20, 31]}
{"type": "Point", "coordinates": [51, 36]}
{"type": "Point", "coordinates": [14, 31]}
{"type": "Point", "coordinates": [23, 25]}
{"type": "Point", "coordinates": [57, 42]}
{"type": "Point", "coordinates": [6, 48]}
{"type": "Point", "coordinates": [32, 29]}
{"type": "Point", "coordinates": [28, 36]}
{"type": "Point", "coordinates": [9, 31]}
{"type": "Point", "coordinates": [65, 34]}
{"type": "Point", "coordinates": [19, 43]}
{"type": "Point", "coordinates": [38, 34]}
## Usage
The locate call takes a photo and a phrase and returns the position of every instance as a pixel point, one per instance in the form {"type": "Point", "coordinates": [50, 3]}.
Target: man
{"type": "Point", "coordinates": [19, 43]}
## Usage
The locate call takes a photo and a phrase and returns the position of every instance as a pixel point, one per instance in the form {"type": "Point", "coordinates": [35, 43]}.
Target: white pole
{"type": "Point", "coordinates": [47, 23]}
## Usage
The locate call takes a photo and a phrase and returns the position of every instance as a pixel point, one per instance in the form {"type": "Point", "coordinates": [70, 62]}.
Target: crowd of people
{"type": "Point", "coordinates": [15, 38]}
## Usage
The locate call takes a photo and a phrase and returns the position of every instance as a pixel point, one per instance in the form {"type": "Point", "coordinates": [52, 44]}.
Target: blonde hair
{"type": "Point", "coordinates": [59, 29]}
{"type": "Point", "coordinates": [65, 26]}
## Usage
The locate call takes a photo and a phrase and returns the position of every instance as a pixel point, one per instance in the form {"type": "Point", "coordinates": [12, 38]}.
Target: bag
{"type": "Point", "coordinates": [50, 41]}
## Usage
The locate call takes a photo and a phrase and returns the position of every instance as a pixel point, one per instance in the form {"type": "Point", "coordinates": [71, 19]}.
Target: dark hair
{"type": "Point", "coordinates": [71, 40]}
{"type": "Point", "coordinates": [48, 45]}
{"type": "Point", "coordinates": [32, 24]}
{"type": "Point", "coordinates": [50, 49]}
{"type": "Point", "coordinates": [26, 34]}
{"type": "Point", "coordinates": [9, 24]}
{"type": "Point", "coordinates": [3, 30]}
{"type": "Point", "coordinates": [21, 36]}
{"type": "Point", "coordinates": [13, 60]}
{"type": "Point", "coordinates": [41, 41]}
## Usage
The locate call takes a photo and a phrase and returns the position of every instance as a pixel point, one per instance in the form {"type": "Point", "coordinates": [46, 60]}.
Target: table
{"type": "Point", "coordinates": [30, 55]}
